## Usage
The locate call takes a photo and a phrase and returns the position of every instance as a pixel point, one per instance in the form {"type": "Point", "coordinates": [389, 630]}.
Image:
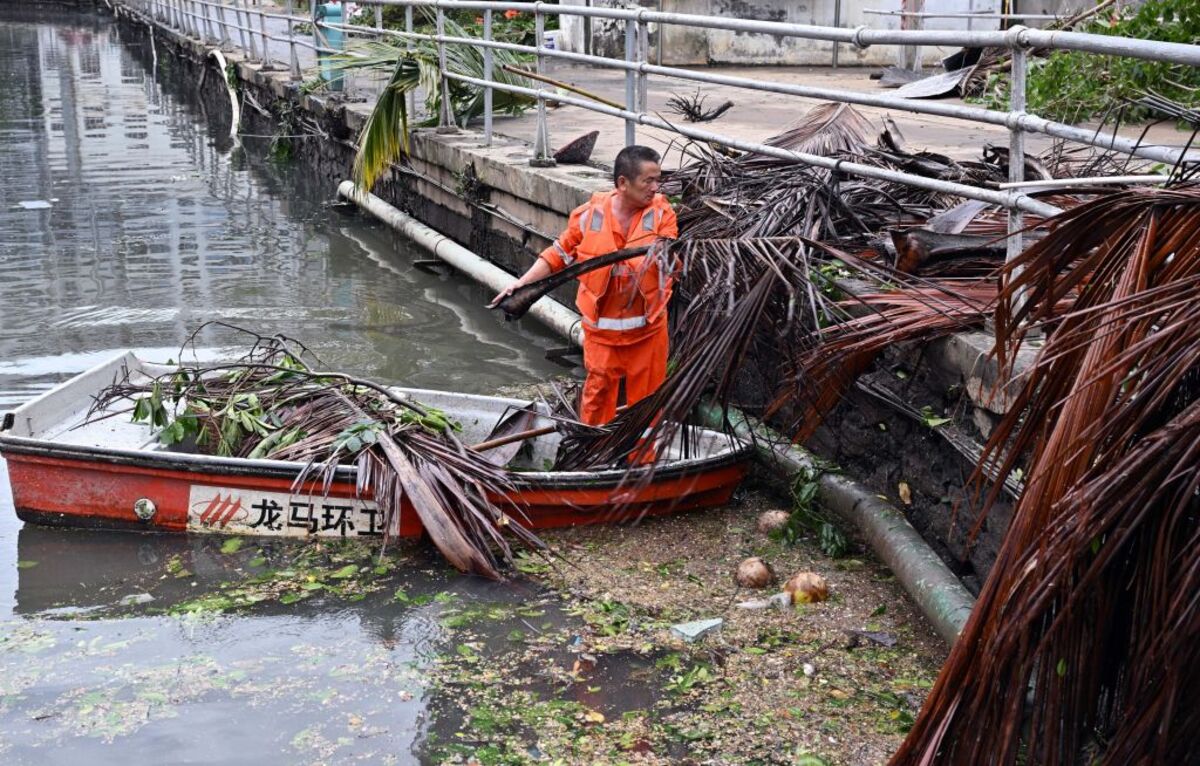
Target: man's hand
{"type": "Point", "coordinates": [504, 294]}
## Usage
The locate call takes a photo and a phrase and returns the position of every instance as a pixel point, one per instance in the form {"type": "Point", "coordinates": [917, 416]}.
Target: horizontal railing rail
{"type": "Point", "coordinates": [209, 20]}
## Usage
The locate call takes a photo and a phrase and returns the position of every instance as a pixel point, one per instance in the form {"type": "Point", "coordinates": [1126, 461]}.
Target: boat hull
{"type": "Point", "coordinates": [107, 492]}
{"type": "Point", "coordinates": [69, 466]}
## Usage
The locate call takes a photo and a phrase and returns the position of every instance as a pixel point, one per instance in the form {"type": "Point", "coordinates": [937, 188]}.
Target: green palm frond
{"type": "Point", "coordinates": [384, 137]}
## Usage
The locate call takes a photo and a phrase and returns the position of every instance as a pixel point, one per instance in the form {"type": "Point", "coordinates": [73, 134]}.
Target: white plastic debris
{"type": "Point", "coordinates": [779, 601]}
{"type": "Point", "coordinates": [34, 204]}
{"type": "Point", "coordinates": [692, 631]}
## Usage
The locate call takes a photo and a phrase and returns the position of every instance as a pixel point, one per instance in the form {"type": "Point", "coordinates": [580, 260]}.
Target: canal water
{"type": "Point", "coordinates": [126, 224]}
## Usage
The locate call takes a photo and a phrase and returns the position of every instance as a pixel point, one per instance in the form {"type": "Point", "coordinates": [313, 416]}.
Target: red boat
{"type": "Point", "coordinates": [112, 473]}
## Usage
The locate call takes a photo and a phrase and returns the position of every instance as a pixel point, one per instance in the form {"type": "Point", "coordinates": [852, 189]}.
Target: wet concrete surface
{"type": "Point", "coordinates": [126, 223]}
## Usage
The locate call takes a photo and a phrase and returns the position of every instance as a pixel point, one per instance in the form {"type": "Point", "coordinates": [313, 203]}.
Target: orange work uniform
{"type": "Point", "coordinates": [624, 306]}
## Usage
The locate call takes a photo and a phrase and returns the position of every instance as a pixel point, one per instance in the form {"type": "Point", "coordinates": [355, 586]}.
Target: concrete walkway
{"type": "Point", "coordinates": [757, 115]}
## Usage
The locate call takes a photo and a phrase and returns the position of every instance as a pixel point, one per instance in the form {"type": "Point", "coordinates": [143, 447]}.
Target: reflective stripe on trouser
{"type": "Point", "coordinates": [642, 364]}
{"type": "Point", "coordinates": [617, 323]}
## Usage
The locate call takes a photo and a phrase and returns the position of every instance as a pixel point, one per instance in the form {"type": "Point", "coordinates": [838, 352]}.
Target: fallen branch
{"type": "Point", "coordinates": [519, 302]}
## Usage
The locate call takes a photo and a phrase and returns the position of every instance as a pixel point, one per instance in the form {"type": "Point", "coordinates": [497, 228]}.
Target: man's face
{"type": "Point", "coordinates": [640, 191]}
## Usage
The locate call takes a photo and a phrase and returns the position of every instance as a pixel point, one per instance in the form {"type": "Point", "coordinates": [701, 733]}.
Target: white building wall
{"type": "Point", "coordinates": [683, 46]}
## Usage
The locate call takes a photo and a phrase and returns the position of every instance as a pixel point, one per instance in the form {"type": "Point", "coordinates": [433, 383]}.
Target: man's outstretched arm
{"type": "Point", "coordinates": [554, 258]}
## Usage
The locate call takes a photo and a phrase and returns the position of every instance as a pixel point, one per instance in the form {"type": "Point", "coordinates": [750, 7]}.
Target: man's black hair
{"type": "Point", "coordinates": [629, 162]}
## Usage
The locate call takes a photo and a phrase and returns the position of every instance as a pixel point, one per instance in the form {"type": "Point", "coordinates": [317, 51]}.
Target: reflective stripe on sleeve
{"type": "Point", "coordinates": [566, 259]}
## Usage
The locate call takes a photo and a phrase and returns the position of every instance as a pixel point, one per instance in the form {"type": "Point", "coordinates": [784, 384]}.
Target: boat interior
{"type": "Point", "coordinates": [60, 416]}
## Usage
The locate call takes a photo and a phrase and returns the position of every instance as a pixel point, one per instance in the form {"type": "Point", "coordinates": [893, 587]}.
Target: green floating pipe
{"type": "Point", "coordinates": [938, 593]}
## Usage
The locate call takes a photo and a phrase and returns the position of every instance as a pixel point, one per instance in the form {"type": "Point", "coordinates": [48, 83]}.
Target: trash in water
{"type": "Point", "coordinates": [34, 204]}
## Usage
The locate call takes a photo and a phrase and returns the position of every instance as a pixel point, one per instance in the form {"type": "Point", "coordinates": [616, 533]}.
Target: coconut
{"type": "Point", "coordinates": [807, 588]}
{"type": "Point", "coordinates": [754, 573]}
{"type": "Point", "coordinates": [772, 521]}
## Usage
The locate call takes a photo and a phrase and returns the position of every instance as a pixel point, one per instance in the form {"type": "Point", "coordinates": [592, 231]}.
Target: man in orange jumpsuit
{"type": "Point", "coordinates": [624, 306]}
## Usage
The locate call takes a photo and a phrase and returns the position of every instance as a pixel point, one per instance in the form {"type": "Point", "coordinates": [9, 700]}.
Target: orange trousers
{"type": "Point", "coordinates": [643, 365]}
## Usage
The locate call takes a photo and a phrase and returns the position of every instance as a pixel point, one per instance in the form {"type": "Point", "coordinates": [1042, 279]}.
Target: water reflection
{"type": "Point", "coordinates": [141, 223]}
{"type": "Point", "coordinates": [153, 229]}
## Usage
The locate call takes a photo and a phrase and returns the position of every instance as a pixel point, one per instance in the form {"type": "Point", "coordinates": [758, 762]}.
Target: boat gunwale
{"type": "Point", "coordinates": [738, 451]}
{"type": "Point", "coordinates": [214, 465]}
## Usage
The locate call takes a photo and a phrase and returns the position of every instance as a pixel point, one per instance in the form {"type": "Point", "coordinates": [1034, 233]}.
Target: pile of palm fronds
{"type": "Point", "coordinates": [776, 238]}
{"type": "Point", "coordinates": [272, 404]}
{"type": "Point", "coordinates": [1084, 646]}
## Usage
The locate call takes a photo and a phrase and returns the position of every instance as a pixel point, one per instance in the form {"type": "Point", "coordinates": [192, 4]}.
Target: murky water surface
{"type": "Point", "coordinates": [123, 225]}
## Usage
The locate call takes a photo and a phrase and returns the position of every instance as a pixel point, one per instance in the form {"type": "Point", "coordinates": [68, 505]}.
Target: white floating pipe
{"type": "Point", "coordinates": [235, 118]}
{"type": "Point", "coordinates": [548, 311]}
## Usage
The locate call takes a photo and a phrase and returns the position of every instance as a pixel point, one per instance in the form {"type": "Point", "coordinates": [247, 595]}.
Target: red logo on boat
{"type": "Point", "coordinates": [219, 511]}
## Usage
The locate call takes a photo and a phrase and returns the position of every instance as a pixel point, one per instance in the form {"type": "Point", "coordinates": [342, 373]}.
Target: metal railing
{"type": "Point", "coordinates": [208, 20]}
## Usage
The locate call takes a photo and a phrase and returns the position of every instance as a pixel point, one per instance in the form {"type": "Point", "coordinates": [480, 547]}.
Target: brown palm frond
{"type": "Point", "coordinates": [706, 365]}
{"type": "Point", "coordinates": [518, 303]}
{"type": "Point", "coordinates": [1085, 641]}
{"type": "Point", "coordinates": [826, 130]}
{"type": "Point", "coordinates": [822, 376]}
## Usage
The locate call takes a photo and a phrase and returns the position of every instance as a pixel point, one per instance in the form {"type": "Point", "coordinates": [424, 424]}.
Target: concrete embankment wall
{"type": "Point", "coordinates": [491, 201]}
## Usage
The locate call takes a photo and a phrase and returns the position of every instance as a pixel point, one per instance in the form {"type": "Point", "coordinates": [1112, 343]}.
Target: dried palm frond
{"type": "Point", "coordinates": [820, 377]}
{"type": "Point", "coordinates": [518, 303]}
{"type": "Point", "coordinates": [1084, 645]}
{"type": "Point", "coordinates": [271, 404]}
{"type": "Point", "coordinates": [691, 108]}
{"type": "Point", "coordinates": [826, 130]}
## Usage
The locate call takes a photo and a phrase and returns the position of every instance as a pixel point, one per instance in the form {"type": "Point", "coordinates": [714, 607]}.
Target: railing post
{"type": "Point", "coordinates": [541, 140]}
{"type": "Point", "coordinates": [487, 76]}
{"type": "Point", "coordinates": [379, 17]}
{"type": "Point", "coordinates": [295, 60]}
{"type": "Point", "coordinates": [446, 112]}
{"type": "Point", "coordinates": [225, 39]}
{"type": "Point", "coordinates": [266, 40]}
{"type": "Point", "coordinates": [630, 82]}
{"type": "Point", "coordinates": [210, 20]}
{"type": "Point", "coordinates": [205, 25]}
{"type": "Point", "coordinates": [1016, 155]}
{"type": "Point", "coordinates": [408, 46]}
{"type": "Point", "coordinates": [910, 55]}
{"type": "Point", "coordinates": [643, 39]}
{"type": "Point", "coordinates": [250, 30]}
{"type": "Point", "coordinates": [237, 19]}
{"type": "Point", "coordinates": [837, 22]}
{"type": "Point", "coordinates": [197, 27]}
